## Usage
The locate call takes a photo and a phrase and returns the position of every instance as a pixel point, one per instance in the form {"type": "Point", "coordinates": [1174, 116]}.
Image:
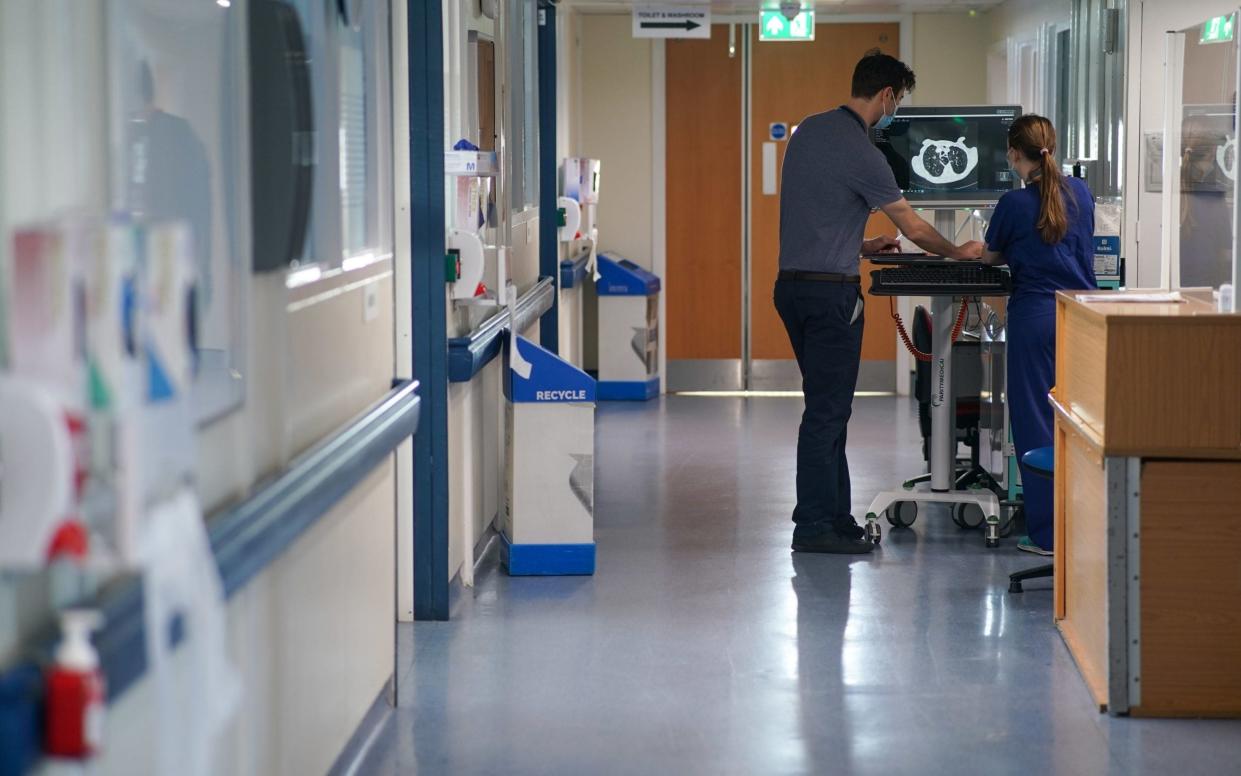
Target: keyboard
{"type": "Point", "coordinates": [941, 279]}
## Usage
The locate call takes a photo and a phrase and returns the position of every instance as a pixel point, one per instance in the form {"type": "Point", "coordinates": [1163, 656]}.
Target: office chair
{"type": "Point", "coordinates": [1040, 462]}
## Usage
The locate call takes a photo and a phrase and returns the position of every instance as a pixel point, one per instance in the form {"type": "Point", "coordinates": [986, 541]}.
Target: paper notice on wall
{"type": "Point", "coordinates": [198, 691]}
{"type": "Point", "coordinates": [1108, 217]}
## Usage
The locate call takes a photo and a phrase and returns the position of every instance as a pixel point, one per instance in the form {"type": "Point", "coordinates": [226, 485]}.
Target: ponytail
{"type": "Point", "coordinates": [1053, 218]}
{"type": "Point", "coordinates": [1035, 138]}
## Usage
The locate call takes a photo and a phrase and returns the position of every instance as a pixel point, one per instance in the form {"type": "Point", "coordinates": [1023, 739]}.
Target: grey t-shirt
{"type": "Point", "coordinates": [833, 176]}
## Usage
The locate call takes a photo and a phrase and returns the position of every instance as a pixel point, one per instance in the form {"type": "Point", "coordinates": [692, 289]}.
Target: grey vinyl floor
{"type": "Point", "coordinates": [703, 645]}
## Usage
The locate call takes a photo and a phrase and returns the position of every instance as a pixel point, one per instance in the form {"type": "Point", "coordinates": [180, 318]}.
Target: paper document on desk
{"type": "Point", "coordinates": [1163, 298]}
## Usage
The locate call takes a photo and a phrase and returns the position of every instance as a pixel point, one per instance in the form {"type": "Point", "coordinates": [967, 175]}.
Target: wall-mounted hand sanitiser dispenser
{"type": "Point", "coordinates": [471, 261]}
{"type": "Point", "coordinates": [572, 228]}
{"type": "Point", "coordinates": [581, 179]}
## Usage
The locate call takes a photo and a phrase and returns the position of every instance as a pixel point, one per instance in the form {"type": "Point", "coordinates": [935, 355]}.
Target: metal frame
{"type": "Point", "coordinates": [469, 354]}
{"type": "Point", "coordinates": [704, 374]}
{"type": "Point", "coordinates": [1170, 265]}
{"type": "Point", "coordinates": [1116, 477]}
{"type": "Point", "coordinates": [1236, 219]}
{"type": "Point", "coordinates": [943, 427]}
{"type": "Point", "coordinates": [747, 207]}
{"type": "Point", "coordinates": [1133, 577]}
{"type": "Point", "coordinates": [430, 322]}
{"type": "Point", "coordinates": [1124, 605]}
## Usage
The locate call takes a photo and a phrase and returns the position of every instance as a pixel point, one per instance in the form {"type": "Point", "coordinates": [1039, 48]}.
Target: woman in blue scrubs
{"type": "Point", "coordinates": [1044, 232]}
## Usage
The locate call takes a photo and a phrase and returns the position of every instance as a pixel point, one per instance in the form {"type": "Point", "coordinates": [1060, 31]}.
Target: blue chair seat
{"type": "Point", "coordinates": [1041, 461]}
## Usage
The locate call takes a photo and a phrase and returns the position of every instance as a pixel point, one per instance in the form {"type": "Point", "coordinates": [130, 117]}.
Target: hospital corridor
{"type": "Point", "coordinates": [619, 387]}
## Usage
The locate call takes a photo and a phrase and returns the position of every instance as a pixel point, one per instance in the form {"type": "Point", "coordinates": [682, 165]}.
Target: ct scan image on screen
{"type": "Point", "coordinates": [950, 154]}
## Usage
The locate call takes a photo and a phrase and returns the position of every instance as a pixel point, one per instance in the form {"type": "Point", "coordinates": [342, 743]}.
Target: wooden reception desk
{"type": "Point", "coordinates": [1148, 503]}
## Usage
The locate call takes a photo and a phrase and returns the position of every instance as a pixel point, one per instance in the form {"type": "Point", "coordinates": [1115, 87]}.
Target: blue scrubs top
{"type": "Point", "coordinates": [1040, 270]}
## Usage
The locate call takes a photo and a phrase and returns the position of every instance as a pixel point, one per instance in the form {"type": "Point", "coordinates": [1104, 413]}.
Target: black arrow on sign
{"type": "Point", "coordinates": [686, 25]}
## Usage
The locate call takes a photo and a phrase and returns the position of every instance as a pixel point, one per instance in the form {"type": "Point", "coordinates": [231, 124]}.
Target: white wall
{"type": "Point", "coordinates": [616, 128]}
{"type": "Point", "coordinates": [312, 638]}
{"type": "Point", "coordinates": [1014, 40]}
{"type": "Point", "coordinates": [950, 58]}
{"type": "Point", "coordinates": [1149, 21]}
{"type": "Point", "coordinates": [1022, 18]}
{"type": "Point", "coordinates": [476, 452]}
{"type": "Point", "coordinates": [568, 80]}
{"type": "Point", "coordinates": [312, 635]}
{"type": "Point", "coordinates": [402, 269]}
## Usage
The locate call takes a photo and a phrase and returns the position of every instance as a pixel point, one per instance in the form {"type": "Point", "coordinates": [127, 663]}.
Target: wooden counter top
{"type": "Point", "coordinates": [1198, 306]}
{"type": "Point", "coordinates": [1151, 379]}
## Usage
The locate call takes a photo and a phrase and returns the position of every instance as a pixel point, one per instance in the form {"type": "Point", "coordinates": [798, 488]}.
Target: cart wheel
{"type": "Point", "coordinates": [902, 514]}
{"type": "Point", "coordinates": [1009, 523]}
{"type": "Point", "coordinates": [992, 532]}
{"type": "Point", "coordinates": [873, 532]}
{"type": "Point", "coordinates": [968, 516]}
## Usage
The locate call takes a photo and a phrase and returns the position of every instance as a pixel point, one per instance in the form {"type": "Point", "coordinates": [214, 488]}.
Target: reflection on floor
{"type": "Point", "coordinates": [704, 646]}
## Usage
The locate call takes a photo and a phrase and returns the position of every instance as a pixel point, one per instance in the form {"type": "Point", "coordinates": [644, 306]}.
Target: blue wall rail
{"type": "Point", "coordinates": [469, 354]}
{"type": "Point", "coordinates": [245, 539]}
{"type": "Point", "coordinates": [573, 271]}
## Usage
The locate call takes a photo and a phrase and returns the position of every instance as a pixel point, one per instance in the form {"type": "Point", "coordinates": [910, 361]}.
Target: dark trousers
{"type": "Point", "coordinates": [828, 348]}
{"type": "Point", "coordinates": [1031, 374]}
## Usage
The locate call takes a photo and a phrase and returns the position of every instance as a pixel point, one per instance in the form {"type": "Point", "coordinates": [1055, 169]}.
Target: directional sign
{"type": "Point", "coordinates": [773, 25]}
{"type": "Point", "coordinates": [1217, 30]}
{"type": "Point", "coordinates": [679, 22]}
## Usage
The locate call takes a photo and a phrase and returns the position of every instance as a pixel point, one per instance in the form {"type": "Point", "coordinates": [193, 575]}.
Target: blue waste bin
{"type": "Point", "coordinates": [628, 330]}
{"type": "Point", "coordinates": [548, 520]}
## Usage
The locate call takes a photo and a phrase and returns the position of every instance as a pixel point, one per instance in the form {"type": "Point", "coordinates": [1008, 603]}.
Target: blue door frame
{"type": "Point", "coordinates": [549, 228]}
{"type": "Point", "coordinates": [427, 225]}
{"type": "Point", "coordinates": [430, 326]}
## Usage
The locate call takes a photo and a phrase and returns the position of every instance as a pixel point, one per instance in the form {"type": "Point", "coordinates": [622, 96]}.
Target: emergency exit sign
{"type": "Point", "coordinates": [774, 25]}
{"type": "Point", "coordinates": [1217, 30]}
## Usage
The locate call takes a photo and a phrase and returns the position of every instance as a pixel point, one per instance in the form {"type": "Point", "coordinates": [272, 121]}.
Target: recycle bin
{"type": "Point", "coordinates": [548, 520]}
{"type": "Point", "coordinates": [628, 330]}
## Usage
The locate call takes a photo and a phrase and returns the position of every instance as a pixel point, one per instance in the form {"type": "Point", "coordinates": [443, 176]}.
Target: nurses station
{"type": "Point", "coordinates": [620, 386]}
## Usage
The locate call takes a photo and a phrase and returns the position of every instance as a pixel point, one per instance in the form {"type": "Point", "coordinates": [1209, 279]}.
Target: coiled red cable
{"type": "Point", "coordinates": [909, 345]}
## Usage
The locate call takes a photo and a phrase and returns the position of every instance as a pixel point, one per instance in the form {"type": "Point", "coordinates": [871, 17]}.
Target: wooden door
{"type": "Point", "coordinates": [789, 82]}
{"type": "Point", "coordinates": [704, 213]}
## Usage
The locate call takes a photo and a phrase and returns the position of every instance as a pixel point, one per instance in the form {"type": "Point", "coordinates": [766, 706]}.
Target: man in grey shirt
{"type": "Point", "coordinates": [833, 178]}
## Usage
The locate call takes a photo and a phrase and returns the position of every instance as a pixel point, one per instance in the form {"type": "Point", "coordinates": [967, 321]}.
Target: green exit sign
{"type": "Point", "coordinates": [1217, 30]}
{"type": "Point", "coordinates": [773, 25]}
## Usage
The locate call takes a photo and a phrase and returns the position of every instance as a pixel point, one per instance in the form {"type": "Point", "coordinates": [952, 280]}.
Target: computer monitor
{"type": "Point", "coordinates": [950, 157]}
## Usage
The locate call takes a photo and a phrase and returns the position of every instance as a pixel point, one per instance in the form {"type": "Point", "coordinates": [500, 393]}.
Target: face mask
{"type": "Point", "coordinates": [885, 120]}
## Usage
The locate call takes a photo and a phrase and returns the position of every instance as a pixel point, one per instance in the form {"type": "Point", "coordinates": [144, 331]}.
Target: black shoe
{"type": "Point", "coordinates": [850, 530]}
{"type": "Point", "coordinates": [833, 543]}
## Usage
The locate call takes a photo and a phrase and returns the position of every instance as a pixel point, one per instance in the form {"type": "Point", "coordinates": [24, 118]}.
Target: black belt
{"type": "Point", "coordinates": [819, 277]}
